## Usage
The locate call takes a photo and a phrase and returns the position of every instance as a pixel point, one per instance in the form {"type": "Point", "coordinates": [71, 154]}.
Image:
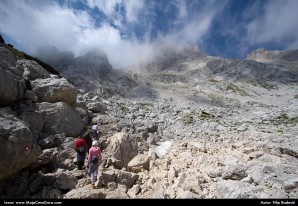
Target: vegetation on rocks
{"type": "Point", "coordinates": [22, 55]}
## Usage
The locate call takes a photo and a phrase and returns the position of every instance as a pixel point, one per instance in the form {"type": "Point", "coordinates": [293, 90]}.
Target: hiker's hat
{"type": "Point", "coordinates": [95, 143]}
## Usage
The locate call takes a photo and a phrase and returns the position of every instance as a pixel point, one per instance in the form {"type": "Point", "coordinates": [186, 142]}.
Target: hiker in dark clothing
{"type": "Point", "coordinates": [88, 138]}
{"type": "Point", "coordinates": [80, 147]}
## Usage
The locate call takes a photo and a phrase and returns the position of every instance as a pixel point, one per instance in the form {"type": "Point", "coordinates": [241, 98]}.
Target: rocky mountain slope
{"type": "Point", "coordinates": [91, 73]}
{"type": "Point", "coordinates": [186, 125]}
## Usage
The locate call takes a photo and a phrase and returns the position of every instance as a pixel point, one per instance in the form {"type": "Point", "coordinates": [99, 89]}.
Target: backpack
{"type": "Point", "coordinates": [95, 159]}
{"type": "Point", "coordinates": [81, 149]}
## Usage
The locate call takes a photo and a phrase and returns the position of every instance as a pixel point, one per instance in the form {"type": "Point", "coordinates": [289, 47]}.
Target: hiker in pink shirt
{"type": "Point", "coordinates": [94, 160]}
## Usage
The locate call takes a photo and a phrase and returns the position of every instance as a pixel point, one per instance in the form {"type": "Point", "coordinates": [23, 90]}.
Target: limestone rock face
{"type": "Point", "coordinates": [37, 110]}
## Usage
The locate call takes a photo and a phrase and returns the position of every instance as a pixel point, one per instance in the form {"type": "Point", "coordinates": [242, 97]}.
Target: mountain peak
{"type": "Point", "coordinates": [263, 55]}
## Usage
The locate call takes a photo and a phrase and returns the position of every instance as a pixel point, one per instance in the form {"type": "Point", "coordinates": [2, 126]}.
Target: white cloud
{"type": "Point", "coordinates": [106, 6]}
{"type": "Point", "coordinates": [52, 25]}
{"type": "Point", "coordinates": [197, 28]}
{"type": "Point", "coordinates": [277, 24]}
{"type": "Point", "coordinates": [33, 25]}
{"type": "Point", "coordinates": [182, 9]}
{"type": "Point", "coordinates": [261, 24]}
{"type": "Point", "coordinates": [133, 8]}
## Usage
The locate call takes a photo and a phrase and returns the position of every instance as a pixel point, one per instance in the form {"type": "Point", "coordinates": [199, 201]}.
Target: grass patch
{"type": "Point", "coordinates": [145, 105]}
{"type": "Point", "coordinates": [236, 89]}
{"type": "Point", "coordinates": [213, 80]}
{"type": "Point", "coordinates": [268, 86]}
{"type": "Point", "coordinates": [223, 101]}
{"type": "Point", "coordinates": [188, 119]}
{"type": "Point", "coordinates": [206, 115]}
{"type": "Point", "coordinates": [191, 118]}
{"type": "Point", "coordinates": [282, 119]}
{"type": "Point", "coordinates": [124, 109]}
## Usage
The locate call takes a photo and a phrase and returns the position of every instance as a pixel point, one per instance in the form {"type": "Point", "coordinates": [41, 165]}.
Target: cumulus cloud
{"type": "Point", "coordinates": [258, 24]}
{"type": "Point", "coordinates": [50, 24]}
{"type": "Point", "coordinates": [278, 23]}
{"type": "Point", "coordinates": [133, 31]}
{"type": "Point", "coordinates": [34, 25]}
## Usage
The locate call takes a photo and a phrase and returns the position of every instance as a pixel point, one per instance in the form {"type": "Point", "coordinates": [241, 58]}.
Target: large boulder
{"type": "Point", "coordinates": [122, 149]}
{"type": "Point", "coordinates": [55, 90]}
{"type": "Point", "coordinates": [11, 89]}
{"type": "Point", "coordinates": [19, 148]}
{"type": "Point", "coordinates": [7, 59]}
{"type": "Point", "coordinates": [139, 163]}
{"type": "Point", "coordinates": [31, 69]}
{"type": "Point", "coordinates": [120, 177]}
{"type": "Point", "coordinates": [11, 86]}
{"type": "Point", "coordinates": [96, 107]}
{"type": "Point", "coordinates": [34, 119]}
{"type": "Point", "coordinates": [60, 118]}
{"type": "Point", "coordinates": [85, 193]}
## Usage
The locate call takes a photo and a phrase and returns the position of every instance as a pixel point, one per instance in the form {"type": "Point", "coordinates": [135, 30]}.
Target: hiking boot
{"type": "Point", "coordinates": [92, 186]}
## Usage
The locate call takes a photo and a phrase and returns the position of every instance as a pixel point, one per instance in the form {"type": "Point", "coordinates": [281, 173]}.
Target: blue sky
{"type": "Point", "coordinates": [133, 31]}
